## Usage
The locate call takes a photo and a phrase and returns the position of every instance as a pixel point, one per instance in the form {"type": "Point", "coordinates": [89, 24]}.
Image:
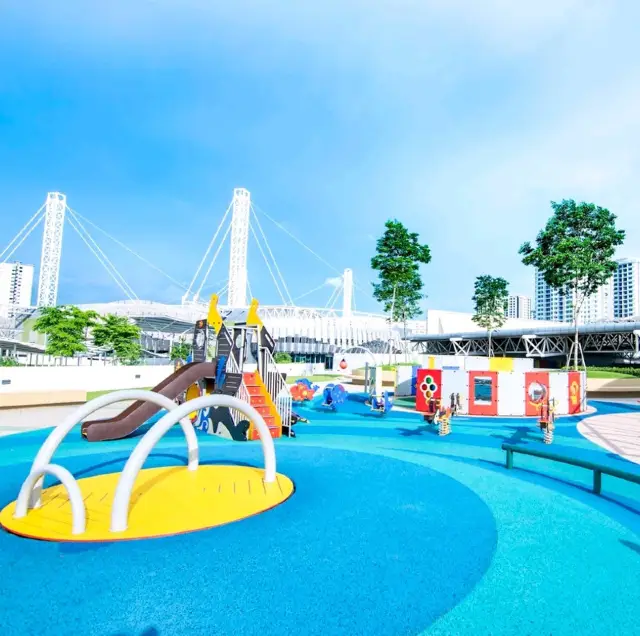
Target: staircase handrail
{"type": "Point", "coordinates": [243, 392]}
{"type": "Point", "coordinates": [278, 389]}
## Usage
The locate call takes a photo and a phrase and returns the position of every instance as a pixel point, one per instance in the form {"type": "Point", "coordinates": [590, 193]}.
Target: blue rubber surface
{"type": "Point", "coordinates": [392, 530]}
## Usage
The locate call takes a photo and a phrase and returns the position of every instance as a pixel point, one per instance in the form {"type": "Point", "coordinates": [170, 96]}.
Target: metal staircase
{"type": "Point", "coordinates": [261, 400]}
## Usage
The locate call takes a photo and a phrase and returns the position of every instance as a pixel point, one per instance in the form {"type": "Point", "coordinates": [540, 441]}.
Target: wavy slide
{"type": "Point", "coordinates": [138, 413]}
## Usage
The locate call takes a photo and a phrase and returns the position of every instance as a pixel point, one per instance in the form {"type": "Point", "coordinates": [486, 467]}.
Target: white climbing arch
{"type": "Point", "coordinates": [51, 444]}
{"type": "Point", "coordinates": [120, 508]}
{"type": "Point", "coordinates": [78, 512]}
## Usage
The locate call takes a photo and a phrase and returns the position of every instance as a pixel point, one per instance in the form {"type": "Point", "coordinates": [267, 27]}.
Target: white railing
{"type": "Point", "coordinates": [278, 389]}
{"type": "Point", "coordinates": [243, 393]}
{"type": "Point", "coordinates": [31, 489]}
{"type": "Point", "coordinates": [120, 509]}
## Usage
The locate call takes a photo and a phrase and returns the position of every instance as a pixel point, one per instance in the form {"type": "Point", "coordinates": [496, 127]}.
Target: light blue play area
{"type": "Point", "coordinates": [392, 530]}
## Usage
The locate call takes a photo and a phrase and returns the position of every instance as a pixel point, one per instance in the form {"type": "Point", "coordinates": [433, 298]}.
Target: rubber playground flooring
{"type": "Point", "coordinates": [391, 530]}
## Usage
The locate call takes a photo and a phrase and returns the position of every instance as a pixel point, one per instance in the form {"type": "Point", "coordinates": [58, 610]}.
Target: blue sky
{"type": "Point", "coordinates": [462, 119]}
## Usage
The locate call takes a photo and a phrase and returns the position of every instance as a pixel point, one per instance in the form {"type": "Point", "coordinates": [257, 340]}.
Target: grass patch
{"type": "Point", "coordinates": [408, 402]}
{"type": "Point", "coordinates": [600, 374]}
{"type": "Point", "coordinates": [94, 394]}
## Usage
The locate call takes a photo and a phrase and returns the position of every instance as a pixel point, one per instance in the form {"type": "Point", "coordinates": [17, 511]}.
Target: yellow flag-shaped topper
{"type": "Point", "coordinates": [253, 319]}
{"type": "Point", "coordinates": [214, 319]}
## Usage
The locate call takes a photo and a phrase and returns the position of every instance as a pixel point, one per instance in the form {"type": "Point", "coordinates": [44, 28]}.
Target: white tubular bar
{"type": "Point", "coordinates": [78, 515]}
{"type": "Point", "coordinates": [120, 508]}
{"type": "Point", "coordinates": [50, 445]}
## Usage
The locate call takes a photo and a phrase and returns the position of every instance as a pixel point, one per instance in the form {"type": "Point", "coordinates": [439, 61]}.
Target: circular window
{"type": "Point", "coordinates": [537, 392]}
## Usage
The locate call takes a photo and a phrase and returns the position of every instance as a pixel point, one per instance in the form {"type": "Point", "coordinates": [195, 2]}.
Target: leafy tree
{"type": "Point", "coordinates": [282, 357]}
{"type": "Point", "coordinates": [180, 350]}
{"type": "Point", "coordinates": [490, 298]}
{"type": "Point", "coordinates": [118, 336]}
{"type": "Point", "coordinates": [574, 253]}
{"type": "Point", "coordinates": [399, 255]}
{"type": "Point", "coordinates": [66, 328]}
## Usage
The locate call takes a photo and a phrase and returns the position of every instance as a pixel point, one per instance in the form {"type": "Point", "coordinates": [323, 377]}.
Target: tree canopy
{"type": "Point", "coordinates": [399, 255]}
{"type": "Point", "coordinates": [66, 329]}
{"type": "Point", "coordinates": [490, 298]}
{"type": "Point", "coordinates": [574, 252]}
{"type": "Point", "coordinates": [180, 350]}
{"type": "Point", "coordinates": [119, 337]}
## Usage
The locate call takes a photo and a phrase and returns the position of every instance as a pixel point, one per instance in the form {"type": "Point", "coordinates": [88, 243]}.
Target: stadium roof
{"type": "Point", "coordinates": [591, 328]}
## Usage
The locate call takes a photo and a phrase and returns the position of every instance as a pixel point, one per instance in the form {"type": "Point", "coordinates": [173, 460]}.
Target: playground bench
{"type": "Point", "coordinates": [598, 469]}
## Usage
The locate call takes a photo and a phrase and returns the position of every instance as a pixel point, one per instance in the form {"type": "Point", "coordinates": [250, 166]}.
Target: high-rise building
{"type": "Point", "coordinates": [16, 285]}
{"type": "Point", "coordinates": [550, 304]}
{"type": "Point", "coordinates": [519, 307]}
{"type": "Point", "coordinates": [626, 288]}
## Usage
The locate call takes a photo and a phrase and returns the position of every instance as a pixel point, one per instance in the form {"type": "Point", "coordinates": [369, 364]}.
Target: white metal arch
{"type": "Point", "coordinates": [78, 512]}
{"type": "Point", "coordinates": [120, 508]}
{"type": "Point", "coordinates": [358, 347]}
{"type": "Point", "coordinates": [50, 445]}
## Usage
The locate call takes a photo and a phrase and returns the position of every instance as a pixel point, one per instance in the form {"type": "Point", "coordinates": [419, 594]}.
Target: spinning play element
{"type": "Point", "coordinates": [208, 497]}
{"type": "Point", "coordinates": [343, 364]}
{"type": "Point", "coordinates": [334, 395]}
{"type": "Point", "coordinates": [144, 503]}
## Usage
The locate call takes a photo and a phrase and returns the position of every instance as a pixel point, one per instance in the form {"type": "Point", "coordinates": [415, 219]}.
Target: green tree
{"type": "Point", "coordinates": [119, 337]}
{"type": "Point", "coordinates": [66, 329]}
{"type": "Point", "coordinates": [399, 255]}
{"type": "Point", "coordinates": [574, 253]}
{"type": "Point", "coordinates": [180, 350]}
{"type": "Point", "coordinates": [490, 298]}
{"type": "Point", "coordinates": [282, 357]}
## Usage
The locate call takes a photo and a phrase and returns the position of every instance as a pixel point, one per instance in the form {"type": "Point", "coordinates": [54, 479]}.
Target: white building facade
{"type": "Point", "coordinates": [551, 305]}
{"type": "Point", "coordinates": [626, 288]}
{"type": "Point", "coordinates": [519, 307]}
{"type": "Point", "coordinates": [16, 286]}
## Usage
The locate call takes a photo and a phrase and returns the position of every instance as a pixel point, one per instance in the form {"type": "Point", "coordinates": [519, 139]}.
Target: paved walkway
{"type": "Point", "coordinates": [35, 417]}
{"type": "Point", "coordinates": [617, 432]}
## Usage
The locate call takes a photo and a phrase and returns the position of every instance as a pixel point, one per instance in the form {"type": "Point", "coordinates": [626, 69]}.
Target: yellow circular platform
{"type": "Point", "coordinates": [164, 501]}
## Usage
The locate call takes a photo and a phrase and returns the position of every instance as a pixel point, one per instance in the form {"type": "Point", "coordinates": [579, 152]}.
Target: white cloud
{"type": "Point", "coordinates": [334, 282]}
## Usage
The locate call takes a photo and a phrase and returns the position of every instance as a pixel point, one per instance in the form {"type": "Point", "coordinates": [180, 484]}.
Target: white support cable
{"type": "Point", "coordinates": [248, 288]}
{"type": "Point", "coordinates": [100, 260]}
{"type": "Point", "coordinates": [17, 236]}
{"type": "Point", "coordinates": [204, 258]}
{"type": "Point", "coordinates": [264, 256]}
{"type": "Point", "coordinates": [273, 258]}
{"type": "Point", "coordinates": [223, 289]}
{"type": "Point", "coordinates": [297, 240]}
{"type": "Point", "coordinates": [128, 249]}
{"type": "Point", "coordinates": [334, 297]}
{"type": "Point", "coordinates": [211, 264]}
{"type": "Point", "coordinates": [311, 291]}
{"type": "Point", "coordinates": [104, 256]}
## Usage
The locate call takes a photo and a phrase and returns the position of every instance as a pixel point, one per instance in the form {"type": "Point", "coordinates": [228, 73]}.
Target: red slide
{"type": "Point", "coordinates": [139, 412]}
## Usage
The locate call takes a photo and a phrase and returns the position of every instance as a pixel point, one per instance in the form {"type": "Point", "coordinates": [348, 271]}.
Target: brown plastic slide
{"type": "Point", "coordinates": [139, 412]}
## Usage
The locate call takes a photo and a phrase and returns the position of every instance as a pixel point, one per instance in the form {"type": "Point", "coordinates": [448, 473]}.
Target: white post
{"type": "Point", "coordinates": [51, 254]}
{"type": "Point", "coordinates": [347, 293]}
{"type": "Point", "coordinates": [120, 509]}
{"type": "Point", "coordinates": [237, 291]}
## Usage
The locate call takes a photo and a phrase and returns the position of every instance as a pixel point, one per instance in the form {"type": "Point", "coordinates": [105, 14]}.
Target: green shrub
{"type": "Point", "coordinates": [9, 362]}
